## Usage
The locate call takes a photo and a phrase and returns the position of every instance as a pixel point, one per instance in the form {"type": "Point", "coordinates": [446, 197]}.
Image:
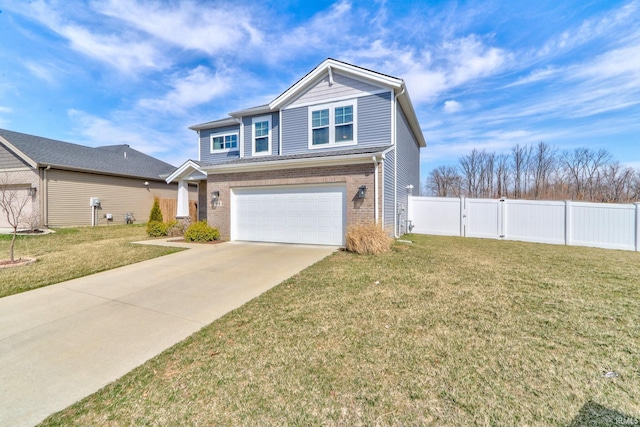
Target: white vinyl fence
{"type": "Point", "coordinates": [603, 225]}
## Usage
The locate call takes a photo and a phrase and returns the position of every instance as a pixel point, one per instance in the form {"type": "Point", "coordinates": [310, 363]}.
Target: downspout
{"type": "Point", "coordinates": [381, 164]}
{"type": "Point", "coordinates": [395, 165]}
{"type": "Point", "coordinates": [199, 146]}
{"type": "Point", "coordinates": [45, 196]}
{"type": "Point", "coordinates": [375, 188]}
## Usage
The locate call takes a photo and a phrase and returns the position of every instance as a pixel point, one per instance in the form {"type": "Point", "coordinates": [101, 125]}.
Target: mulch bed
{"type": "Point", "coordinates": [5, 263]}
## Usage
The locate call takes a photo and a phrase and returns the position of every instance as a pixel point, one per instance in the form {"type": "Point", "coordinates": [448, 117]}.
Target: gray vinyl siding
{"type": "Point", "coordinates": [205, 145]}
{"type": "Point", "coordinates": [295, 131]}
{"type": "Point", "coordinates": [248, 134]}
{"type": "Point", "coordinates": [373, 125]}
{"type": "Point", "coordinates": [69, 193]}
{"type": "Point", "coordinates": [374, 120]}
{"type": "Point", "coordinates": [342, 87]}
{"type": "Point", "coordinates": [408, 152]}
{"type": "Point", "coordinates": [8, 160]}
{"type": "Point", "coordinates": [389, 192]}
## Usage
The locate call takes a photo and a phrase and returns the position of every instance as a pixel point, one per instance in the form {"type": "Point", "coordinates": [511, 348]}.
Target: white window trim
{"type": "Point", "coordinates": [332, 125]}
{"type": "Point", "coordinates": [222, 135]}
{"type": "Point", "coordinates": [253, 135]}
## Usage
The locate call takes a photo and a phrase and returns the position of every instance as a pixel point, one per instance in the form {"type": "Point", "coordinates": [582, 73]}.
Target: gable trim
{"type": "Point", "coordinates": [19, 153]}
{"type": "Point", "coordinates": [188, 169]}
{"type": "Point", "coordinates": [348, 70]}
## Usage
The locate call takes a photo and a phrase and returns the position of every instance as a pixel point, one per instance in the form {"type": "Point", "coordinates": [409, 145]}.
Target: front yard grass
{"type": "Point", "coordinates": [446, 331]}
{"type": "Point", "coordinates": [73, 252]}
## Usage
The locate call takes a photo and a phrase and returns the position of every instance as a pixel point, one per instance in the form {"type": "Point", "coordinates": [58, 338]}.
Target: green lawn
{"type": "Point", "coordinates": [446, 331]}
{"type": "Point", "coordinates": [71, 253]}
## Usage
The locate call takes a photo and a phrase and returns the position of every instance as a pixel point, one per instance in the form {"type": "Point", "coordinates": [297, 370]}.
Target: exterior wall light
{"type": "Point", "coordinates": [32, 191]}
{"type": "Point", "coordinates": [362, 191]}
{"type": "Point", "coordinates": [215, 196]}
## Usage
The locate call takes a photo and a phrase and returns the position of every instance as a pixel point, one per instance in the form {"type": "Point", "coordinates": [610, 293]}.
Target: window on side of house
{"type": "Point", "coordinates": [261, 136]}
{"type": "Point", "coordinates": [221, 143]}
{"type": "Point", "coordinates": [332, 124]}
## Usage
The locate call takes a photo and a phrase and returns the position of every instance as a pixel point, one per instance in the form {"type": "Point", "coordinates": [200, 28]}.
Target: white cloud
{"type": "Point", "coordinates": [5, 110]}
{"type": "Point", "coordinates": [331, 27]}
{"type": "Point", "coordinates": [41, 71]}
{"type": "Point", "coordinates": [97, 131]}
{"type": "Point", "coordinates": [204, 27]}
{"type": "Point", "coordinates": [452, 106]}
{"type": "Point", "coordinates": [436, 69]}
{"type": "Point", "coordinates": [470, 59]}
{"type": "Point", "coordinates": [199, 86]}
{"type": "Point", "coordinates": [124, 51]}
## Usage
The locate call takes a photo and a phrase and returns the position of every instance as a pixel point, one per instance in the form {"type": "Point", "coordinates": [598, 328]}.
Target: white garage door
{"type": "Point", "coordinates": [289, 214]}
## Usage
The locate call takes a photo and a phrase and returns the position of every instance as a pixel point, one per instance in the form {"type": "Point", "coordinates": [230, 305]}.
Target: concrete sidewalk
{"type": "Point", "coordinates": [63, 342]}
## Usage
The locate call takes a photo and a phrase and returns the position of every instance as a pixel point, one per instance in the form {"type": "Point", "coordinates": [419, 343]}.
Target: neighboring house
{"type": "Point", "coordinates": [61, 179]}
{"type": "Point", "coordinates": [339, 147]}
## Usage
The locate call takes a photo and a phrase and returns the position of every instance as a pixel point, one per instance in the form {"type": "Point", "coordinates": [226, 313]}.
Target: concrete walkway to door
{"type": "Point", "coordinates": [63, 342]}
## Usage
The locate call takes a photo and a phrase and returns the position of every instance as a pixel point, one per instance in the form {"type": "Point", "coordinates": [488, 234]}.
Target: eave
{"type": "Point", "coordinates": [294, 163]}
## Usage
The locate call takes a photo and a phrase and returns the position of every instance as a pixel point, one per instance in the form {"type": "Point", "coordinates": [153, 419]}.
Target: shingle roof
{"type": "Point", "coordinates": [112, 159]}
{"type": "Point", "coordinates": [315, 154]}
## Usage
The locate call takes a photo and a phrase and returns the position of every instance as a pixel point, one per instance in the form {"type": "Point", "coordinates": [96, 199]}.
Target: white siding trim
{"type": "Point", "coordinates": [253, 135]}
{"type": "Point", "coordinates": [241, 137]}
{"type": "Point", "coordinates": [280, 133]}
{"type": "Point", "coordinates": [332, 124]}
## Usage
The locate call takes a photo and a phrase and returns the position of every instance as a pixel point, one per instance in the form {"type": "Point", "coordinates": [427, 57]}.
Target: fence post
{"type": "Point", "coordinates": [637, 230]}
{"type": "Point", "coordinates": [463, 216]}
{"type": "Point", "coordinates": [567, 222]}
{"type": "Point", "coordinates": [502, 217]}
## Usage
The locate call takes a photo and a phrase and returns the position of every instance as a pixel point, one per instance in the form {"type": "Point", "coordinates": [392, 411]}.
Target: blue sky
{"type": "Point", "coordinates": [481, 74]}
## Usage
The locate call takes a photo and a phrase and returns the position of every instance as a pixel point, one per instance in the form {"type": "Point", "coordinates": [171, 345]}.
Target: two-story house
{"type": "Point", "coordinates": [339, 147]}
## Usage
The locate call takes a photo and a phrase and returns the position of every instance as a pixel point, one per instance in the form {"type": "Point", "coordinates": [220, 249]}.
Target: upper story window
{"type": "Point", "coordinates": [224, 142]}
{"type": "Point", "coordinates": [332, 124]}
{"type": "Point", "coordinates": [261, 135]}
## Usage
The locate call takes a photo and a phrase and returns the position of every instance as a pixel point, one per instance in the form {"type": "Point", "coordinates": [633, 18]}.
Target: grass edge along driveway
{"type": "Point", "coordinates": [70, 253]}
{"type": "Point", "coordinates": [447, 331]}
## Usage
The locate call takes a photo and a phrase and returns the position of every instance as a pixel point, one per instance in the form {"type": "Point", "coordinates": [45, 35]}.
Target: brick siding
{"type": "Point", "coordinates": [354, 176]}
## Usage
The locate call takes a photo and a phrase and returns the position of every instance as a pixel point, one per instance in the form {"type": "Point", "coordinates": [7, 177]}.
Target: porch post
{"type": "Point", "coordinates": [183, 200]}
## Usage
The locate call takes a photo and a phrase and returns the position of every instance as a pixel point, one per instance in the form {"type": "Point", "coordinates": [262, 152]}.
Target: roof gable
{"type": "Point", "coordinates": [327, 68]}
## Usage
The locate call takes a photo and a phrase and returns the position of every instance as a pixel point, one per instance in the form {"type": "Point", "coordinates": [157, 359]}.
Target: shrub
{"type": "Point", "coordinates": [156, 213]}
{"type": "Point", "coordinates": [368, 238]}
{"type": "Point", "coordinates": [156, 229]}
{"type": "Point", "coordinates": [201, 232]}
{"type": "Point", "coordinates": [175, 229]}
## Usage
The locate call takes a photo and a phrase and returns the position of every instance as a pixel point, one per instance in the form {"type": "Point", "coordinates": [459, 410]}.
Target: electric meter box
{"type": "Point", "coordinates": [94, 201]}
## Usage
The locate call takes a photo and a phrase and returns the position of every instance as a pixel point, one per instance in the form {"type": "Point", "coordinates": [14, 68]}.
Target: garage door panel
{"type": "Point", "coordinates": [312, 214]}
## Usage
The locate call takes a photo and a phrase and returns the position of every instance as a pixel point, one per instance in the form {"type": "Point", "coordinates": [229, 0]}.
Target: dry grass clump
{"type": "Point", "coordinates": [368, 238]}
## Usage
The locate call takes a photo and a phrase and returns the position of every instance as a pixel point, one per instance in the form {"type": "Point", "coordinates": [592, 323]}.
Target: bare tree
{"type": "Point", "coordinates": [472, 174]}
{"type": "Point", "coordinates": [444, 181]}
{"type": "Point", "coordinates": [13, 205]}
{"type": "Point", "coordinates": [617, 183]}
{"type": "Point", "coordinates": [542, 165]}
{"type": "Point", "coordinates": [584, 169]}
{"type": "Point", "coordinates": [520, 163]}
{"type": "Point", "coordinates": [488, 161]}
{"type": "Point", "coordinates": [502, 175]}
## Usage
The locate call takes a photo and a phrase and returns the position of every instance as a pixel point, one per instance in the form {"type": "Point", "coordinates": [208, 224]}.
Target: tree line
{"type": "Point", "coordinates": [537, 171]}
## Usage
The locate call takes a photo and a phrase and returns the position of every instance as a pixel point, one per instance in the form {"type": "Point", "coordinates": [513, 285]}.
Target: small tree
{"type": "Point", "coordinates": [13, 205]}
{"type": "Point", "coordinates": [156, 213]}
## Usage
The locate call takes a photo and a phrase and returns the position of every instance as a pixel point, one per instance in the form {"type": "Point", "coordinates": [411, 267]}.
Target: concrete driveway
{"type": "Point", "coordinates": [61, 343]}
